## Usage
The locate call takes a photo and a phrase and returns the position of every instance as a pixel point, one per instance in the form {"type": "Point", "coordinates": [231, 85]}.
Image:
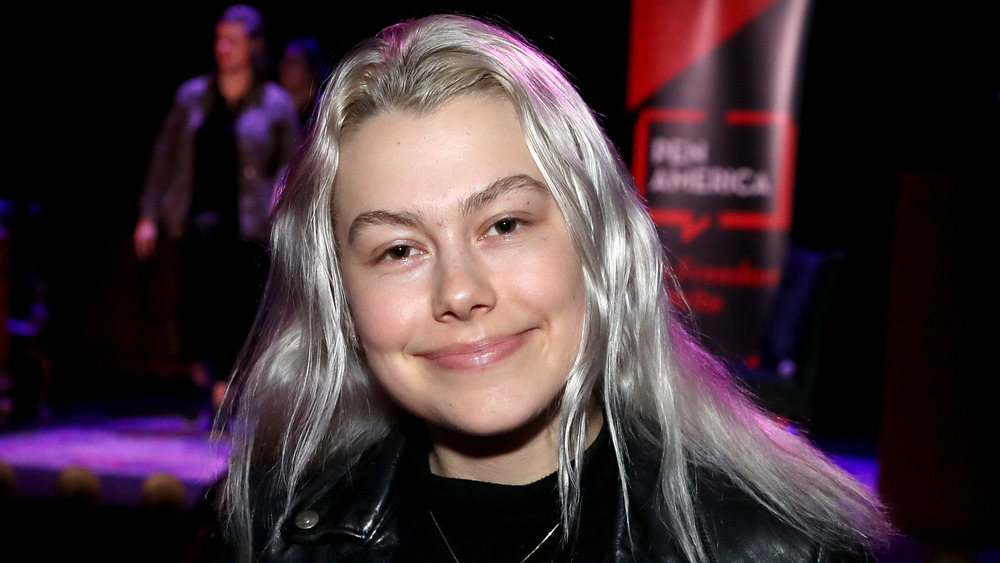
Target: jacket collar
{"type": "Point", "coordinates": [355, 505]}
{"type": "Point", "coordinates": [359, 510]}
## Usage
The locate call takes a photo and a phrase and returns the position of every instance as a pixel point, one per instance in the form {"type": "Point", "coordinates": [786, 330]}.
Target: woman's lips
{"type": "Point", "coordinates": [484, 353]}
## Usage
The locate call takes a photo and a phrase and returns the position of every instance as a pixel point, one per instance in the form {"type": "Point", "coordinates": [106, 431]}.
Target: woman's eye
{"type": "Point", "coordinates": [503, 226]}
{"type": "Point", "coordinates": [399, 252]}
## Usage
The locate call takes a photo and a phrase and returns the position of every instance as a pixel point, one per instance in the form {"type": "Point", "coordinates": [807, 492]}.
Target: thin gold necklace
{"type": "Point", "coordinates": [455, 557]}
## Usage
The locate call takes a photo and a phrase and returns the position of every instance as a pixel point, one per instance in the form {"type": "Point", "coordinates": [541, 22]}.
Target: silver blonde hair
{"type": "Point", "coordinates": [302, 396]}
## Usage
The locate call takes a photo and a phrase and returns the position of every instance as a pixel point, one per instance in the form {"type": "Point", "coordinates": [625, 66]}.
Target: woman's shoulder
{"type": "Point", "coordinates": [738, 526]}
{"type": "Point", "coordinates": [734, 523]}
{"type": "Point", "coordinates": [339, 502]}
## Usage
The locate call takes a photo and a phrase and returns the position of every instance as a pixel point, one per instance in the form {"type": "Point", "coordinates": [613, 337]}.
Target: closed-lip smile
{"type": "Point", "coordinates": [476, 355]}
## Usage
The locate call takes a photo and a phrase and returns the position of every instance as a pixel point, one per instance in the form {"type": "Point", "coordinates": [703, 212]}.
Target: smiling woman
{"type": "Point", "coordinates": [467, 295]}
{"type": "Point", "coordinates": [466, 351]}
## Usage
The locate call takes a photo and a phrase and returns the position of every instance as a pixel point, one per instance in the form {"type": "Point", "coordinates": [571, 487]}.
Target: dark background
{"type": "Point", "coordinates": [886, 90]}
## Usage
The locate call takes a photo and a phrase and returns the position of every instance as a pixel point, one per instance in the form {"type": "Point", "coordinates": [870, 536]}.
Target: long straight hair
{"type": "Point", "coordinates": [303, 396]}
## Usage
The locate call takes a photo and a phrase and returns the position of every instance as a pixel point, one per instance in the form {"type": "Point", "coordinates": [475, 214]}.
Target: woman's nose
{"type": "Point", "coordinates": [463, 289]}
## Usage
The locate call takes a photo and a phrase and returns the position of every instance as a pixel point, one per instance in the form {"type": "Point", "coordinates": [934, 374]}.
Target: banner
{"type": "Point", "coordinates": [714, 85]}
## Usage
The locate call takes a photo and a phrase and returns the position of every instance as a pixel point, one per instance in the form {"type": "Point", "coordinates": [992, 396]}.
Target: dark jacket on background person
{"type": "Point", "coordinates": [266, 131]}
{"type": "Point", "coordinates": [356, 516]}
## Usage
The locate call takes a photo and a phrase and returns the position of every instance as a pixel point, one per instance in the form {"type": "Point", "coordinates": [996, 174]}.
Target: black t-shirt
{"type": "Point", "coordinates": [489, 522]}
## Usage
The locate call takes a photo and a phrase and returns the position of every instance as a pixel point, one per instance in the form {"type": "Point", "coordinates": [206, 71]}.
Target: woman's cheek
{"type": "Point", "coordinates": [385, 314]}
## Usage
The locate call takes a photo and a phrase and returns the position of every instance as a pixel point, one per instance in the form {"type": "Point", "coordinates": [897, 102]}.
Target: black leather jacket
{"type": "Point", "coordinates": [356, 516]}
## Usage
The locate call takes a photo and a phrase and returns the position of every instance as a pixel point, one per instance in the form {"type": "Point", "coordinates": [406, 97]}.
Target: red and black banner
{"type": "Point", "coordinates": [714, 84]}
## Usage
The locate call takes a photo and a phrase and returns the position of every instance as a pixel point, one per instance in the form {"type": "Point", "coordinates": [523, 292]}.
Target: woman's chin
{"type": "Point", "coordinates": [482, 426]}
{"type": "Point", "coordinates": [507, 428]}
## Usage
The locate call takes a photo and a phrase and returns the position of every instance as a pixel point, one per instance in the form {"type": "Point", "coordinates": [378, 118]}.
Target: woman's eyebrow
{"type": "Point", "coordinates": [468, 206]}
{"type": "Point", "coordinates": [501, 187]}
{"type": "Point", "coordinates": [382, 217]}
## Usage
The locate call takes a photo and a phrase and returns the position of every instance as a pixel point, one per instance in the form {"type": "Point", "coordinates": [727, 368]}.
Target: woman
{"type": "Point", "coordinates": [211, 182]}
{"type": "Point", "coordinates": [466, 351]}
{"type": "Point", "coordinates": [301, 70]}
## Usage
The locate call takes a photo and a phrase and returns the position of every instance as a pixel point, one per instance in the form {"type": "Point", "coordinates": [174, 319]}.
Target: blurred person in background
{"type": "Point", "coordinates": [301, 71]}
{"type": "Point", "coordinates": [222, 148]}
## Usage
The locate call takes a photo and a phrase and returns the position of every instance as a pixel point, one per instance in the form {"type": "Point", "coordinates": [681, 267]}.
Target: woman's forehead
{"type": "Point", "coordinates": [399, 158]}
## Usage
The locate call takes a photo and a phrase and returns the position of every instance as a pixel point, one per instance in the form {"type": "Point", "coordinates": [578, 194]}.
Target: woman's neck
{"type": "Point", "coordinates": [515, 458]}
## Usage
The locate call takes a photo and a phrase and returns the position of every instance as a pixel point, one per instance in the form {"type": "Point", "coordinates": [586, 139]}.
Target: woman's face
{"type": "Point", "coordinates": [466, 292]}
{"type": "Point", "coordinates": [232, 46]}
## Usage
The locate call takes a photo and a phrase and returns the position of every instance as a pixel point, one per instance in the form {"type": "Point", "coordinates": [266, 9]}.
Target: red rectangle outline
{"type": "Point", "coordinates": [779, 218]}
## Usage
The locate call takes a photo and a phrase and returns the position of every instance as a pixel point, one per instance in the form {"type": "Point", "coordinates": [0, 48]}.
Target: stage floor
{"type": "Point", "coordinates": [122, 451]}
